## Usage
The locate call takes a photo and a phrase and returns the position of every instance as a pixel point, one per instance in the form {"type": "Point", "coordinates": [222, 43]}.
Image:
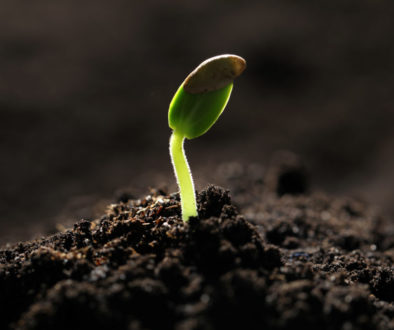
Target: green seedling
{"type": "Point", "coordinates": [195, 107]}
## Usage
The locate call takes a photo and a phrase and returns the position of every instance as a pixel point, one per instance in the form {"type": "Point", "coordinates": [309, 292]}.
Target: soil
{"type": "Point", "coordinates": [277, 257]}
{"type": "Point", "coordinates": [84, 94]}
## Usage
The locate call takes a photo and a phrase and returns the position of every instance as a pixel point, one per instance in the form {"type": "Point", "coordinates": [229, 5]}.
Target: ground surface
{"type": "Point", "coordinates": [288, 259]}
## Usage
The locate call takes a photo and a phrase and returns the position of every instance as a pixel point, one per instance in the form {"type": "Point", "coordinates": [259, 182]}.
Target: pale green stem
{"type": "Point", "coordinates": [183, 176]}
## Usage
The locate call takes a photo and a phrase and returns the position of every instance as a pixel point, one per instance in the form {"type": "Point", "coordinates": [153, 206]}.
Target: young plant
{"type": "Point", "coordinates": [195, 107]}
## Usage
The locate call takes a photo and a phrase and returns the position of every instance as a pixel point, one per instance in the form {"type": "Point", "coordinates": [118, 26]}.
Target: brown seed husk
{"type": "Point", "coordinates": [214, 73]}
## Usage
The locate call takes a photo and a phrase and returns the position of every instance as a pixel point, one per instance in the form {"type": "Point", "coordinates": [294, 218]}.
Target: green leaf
{"type": "Point", "coordinates": [203, 95]}
{"type": "Point", "coordinates": [193, 114]}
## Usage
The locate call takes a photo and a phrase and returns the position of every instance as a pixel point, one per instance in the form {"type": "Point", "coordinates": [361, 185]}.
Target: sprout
{"type": "Point", "coordinates": [196, 106]}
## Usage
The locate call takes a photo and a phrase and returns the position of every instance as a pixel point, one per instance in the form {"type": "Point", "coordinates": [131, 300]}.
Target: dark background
{"type": "Point", "coordinates": [85, 88]}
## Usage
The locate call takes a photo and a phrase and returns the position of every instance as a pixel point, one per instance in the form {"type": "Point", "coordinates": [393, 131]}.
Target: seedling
{"type": "Point", "coordinates": [195, 107]}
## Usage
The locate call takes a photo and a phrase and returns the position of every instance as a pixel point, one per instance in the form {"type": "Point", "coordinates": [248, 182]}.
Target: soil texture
{"type": "Point", "coordinates": [288, 260]}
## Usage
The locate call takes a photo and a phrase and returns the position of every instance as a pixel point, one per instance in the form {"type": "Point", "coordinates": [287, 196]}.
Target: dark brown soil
{"type": "Point", "coordinates": [84, 93]}
{"type": "Point", "coordinates": [291, 261]}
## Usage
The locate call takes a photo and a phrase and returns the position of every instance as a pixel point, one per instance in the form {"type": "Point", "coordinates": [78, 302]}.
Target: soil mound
{"type": "Point", "coordinates": [297, 260]}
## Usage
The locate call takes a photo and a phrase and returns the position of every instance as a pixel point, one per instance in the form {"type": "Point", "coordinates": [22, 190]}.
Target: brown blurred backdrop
{"type": "Point", "coordinates": [85, 88]}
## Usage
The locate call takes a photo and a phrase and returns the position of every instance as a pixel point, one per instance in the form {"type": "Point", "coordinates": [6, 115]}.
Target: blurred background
{"type": "Point", "coordinates": [85, 88]}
